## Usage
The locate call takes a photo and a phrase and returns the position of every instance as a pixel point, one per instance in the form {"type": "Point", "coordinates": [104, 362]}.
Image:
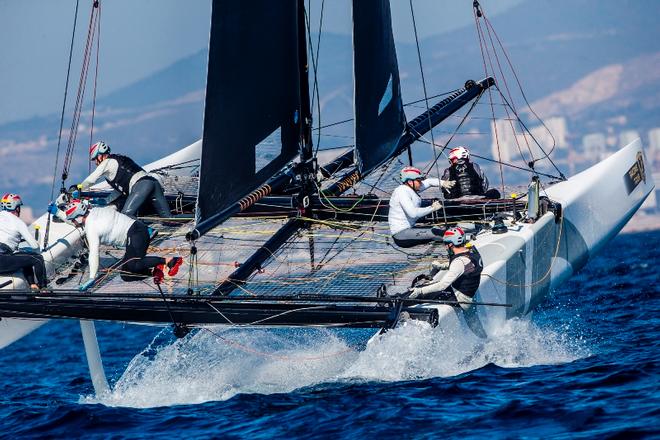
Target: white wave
{"type": "Point", "coordinates": [216, 366]}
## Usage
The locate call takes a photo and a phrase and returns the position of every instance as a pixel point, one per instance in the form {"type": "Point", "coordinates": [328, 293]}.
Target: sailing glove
{"type": "Point", "coordinates": [86, 285]}
{"type": "Point", "coordinates": [52, 208]}
{"type": "Point", "coordinates": [449, 184]}
{"type": "Point", "coordinates": [439, 265]}
{"type": "Point", "coordinates": [415, 292]}
{"type": "Point", "coordinates": [436, 205]}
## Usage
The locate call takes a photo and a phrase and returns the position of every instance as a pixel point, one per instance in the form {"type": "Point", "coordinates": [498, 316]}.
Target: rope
{"type": "Point", "coordinates": [490, 31]}
{"type": "Point", "coordinates": [66, 92]}
{"type": "Point", "coordinates": [59, 133]}
{"type": "Point", "coordinates": [96, 75]}
{"type": "Point", "coordinates": [421, 70]}
{"type": "Point", "coordinates": [73, 133]}
{"type": "Point", "coordinates": [316, 97]}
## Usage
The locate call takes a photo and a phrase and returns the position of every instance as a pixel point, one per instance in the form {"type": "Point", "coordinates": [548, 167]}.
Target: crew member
{"type": "Point", "coordinates": [12, 231]}
{"type": "Point", "coordinates": [461, 280]}
{"type": "Point", "coordinates": [406, 208]}
{"type": "Point", "coordinates": [128, 179]}
{"type": "Point", "coordinates": [468, 178]}
{"type": "Point", "coordinates": [109, 227]}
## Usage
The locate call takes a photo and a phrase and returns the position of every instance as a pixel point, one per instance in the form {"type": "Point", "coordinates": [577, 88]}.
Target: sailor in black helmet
{"type": "Point", "coordinates": [461, 280]}
{"type": "Point", "coordinates": [468, 178]}
{"type": "Point", "coordinates": [127, 178]}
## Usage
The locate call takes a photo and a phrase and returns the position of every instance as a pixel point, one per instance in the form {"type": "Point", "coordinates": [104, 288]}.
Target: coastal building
{"type": "Point", "coordinates": [594, 146]}
{"type": "Point", "coordinates": [508, 141]}
{"type": "Point", "coordinates": [626, 137]}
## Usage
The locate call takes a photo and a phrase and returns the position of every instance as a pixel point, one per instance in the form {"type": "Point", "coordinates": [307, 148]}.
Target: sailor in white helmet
{"type": "Point", "coordinates": [12, 231]}
{"type": "Point", "coordinates": [462, 277]}
{"type": "Point", "coordinates": [467, 177]}
{"type": "Point", "coordinates": [128, 179]}
{"type": "Point", "coordinates": [109, 227]}
{"type": "Point", "coordinates": [406, 208]}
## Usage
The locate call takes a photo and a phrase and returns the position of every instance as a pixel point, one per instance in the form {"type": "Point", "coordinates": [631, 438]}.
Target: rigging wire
{"type": "Point", "coordinates": [59, 132]}
{"type": "Point", "coordinates": [66, 92]}
{"type": "Point", "coordinates": [426, 101]}
{"type": "Point", "coordinates": [477, 14]}
{"type": "Point", "coordinates": [91, 32]}
{"type": "Point", "coordinates": [96, 76]}
{"type": "Point", "coordinates": [315, 60]}
{"type": "Point", "coordinates": [509, 104]}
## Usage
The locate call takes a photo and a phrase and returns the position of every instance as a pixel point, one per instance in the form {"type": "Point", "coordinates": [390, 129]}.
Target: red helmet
{"type": "Point", "coordinates": [454, 236]}
{"type": "Point", "coordinates": [410, 173]}
{"type": "Point", "coordinates": [76, 208]}
{"type": "Point", "coordinates": [10, 202]}
{"type": "Point", "coordinates": [459, 153]}
{"type": "Point", "coordinates": [98, 149]}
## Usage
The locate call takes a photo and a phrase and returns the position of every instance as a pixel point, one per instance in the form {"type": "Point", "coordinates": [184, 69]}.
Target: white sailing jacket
{"type": "Point", "coordinates": [103, 226]}
{"type": "Point", "coordinates": [13, 229]}
{"type": "Point", "coordinates": [405, 206]}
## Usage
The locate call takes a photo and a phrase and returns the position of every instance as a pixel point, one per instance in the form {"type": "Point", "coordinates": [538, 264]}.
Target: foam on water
{"type": "Point", "coordinates": [217, 365]}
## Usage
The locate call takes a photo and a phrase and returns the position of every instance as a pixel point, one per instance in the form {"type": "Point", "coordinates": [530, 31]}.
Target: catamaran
{"type": "Point", "coordinates": [273, 239]}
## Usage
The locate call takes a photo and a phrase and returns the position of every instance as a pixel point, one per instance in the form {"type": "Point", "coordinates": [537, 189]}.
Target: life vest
{"type": "Point", "coordinates": [125, 171]}
{"type": "Point", "coordinates": [468, 181]}
{"type": "Point", "coordinates": [468, 283]}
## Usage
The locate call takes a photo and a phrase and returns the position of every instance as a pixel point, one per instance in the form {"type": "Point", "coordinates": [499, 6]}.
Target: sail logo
{"type": "Point", "coordinates": [387, 96]}
{"type": "Point", "coordinates": [636, 174]}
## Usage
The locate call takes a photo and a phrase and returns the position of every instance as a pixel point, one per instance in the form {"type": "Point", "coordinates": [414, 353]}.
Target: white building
{"type": "Point", "coordinates": [508, 140]}
{"type": "Point", "coordinates": [626, 137]}
{"type": "Point", "coordinates": [654, 139]}
{"type": "Point", "coordinates": [594, 146]}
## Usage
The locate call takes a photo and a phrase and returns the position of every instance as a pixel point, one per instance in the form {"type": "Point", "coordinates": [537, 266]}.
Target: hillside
{"type": "Point", "coordinates": [589, 60]}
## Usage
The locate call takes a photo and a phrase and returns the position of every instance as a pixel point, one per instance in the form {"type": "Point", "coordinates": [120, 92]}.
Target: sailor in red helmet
{"type": "Point", "coordinates": [128, 179]}
{"type": "Point", "coordinates": [12, 231]}
{"type": "Point", "coordinates": [406, 208]}
{"type": "Point", "coordinates": [112, 228]}
{"type": "Point", "coordinates": [467, 177]}
{"type": "Point", "coordinates": [461, 280]}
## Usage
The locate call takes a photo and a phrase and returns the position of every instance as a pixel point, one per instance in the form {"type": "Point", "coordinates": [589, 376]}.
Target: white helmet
{"type": "Point", "coordinates": [454, 236]}
{"type": "Point", "coordinates": [459, 153]}
{"type": "Point", "coordinates": [98, 149]}
{"type": "Point", "coordinates": [76, 208]}
{"type": "Point", "coordinates": [410, 173]}
{"type": "Point", "coordinates": [10, 202]}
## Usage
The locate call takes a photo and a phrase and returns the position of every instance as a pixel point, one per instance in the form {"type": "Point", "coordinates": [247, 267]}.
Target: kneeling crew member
{"type": "Point", "coordinates": [461, 281]}
{"type": "Point", "coordinates": [128, 179]}
{"type": "Point", "coordinates": [109, 227]}
{"type": "Point", "coordinates": [12, 231]}
{"type": "Point", "coordinates": [467, 177]}
{"type": "Point", "coordinates": [406, 208]}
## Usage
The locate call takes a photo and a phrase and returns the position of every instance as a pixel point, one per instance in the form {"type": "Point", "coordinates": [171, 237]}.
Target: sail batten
{"type": "Point", "coordinates": [379, 117]}
{"type": "Point", "coordinates": [252, 116]}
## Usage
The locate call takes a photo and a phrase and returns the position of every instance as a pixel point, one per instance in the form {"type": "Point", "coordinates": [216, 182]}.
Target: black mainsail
{"type": "Point", "coordinates": [253, 112]}
{"type": "Point", "coordinates": [379, 117]}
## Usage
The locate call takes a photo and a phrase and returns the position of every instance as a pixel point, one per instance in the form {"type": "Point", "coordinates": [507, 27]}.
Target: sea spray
{"type": "Point", "coordinates": [217, 364]}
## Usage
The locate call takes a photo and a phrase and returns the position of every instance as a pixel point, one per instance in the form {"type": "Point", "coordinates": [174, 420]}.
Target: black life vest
{"type": "Point", "coordinates": [125, 171]}
{"type": "Point", "coordinates": [468, 283]}
{"type": "Point", "coordinates": [468, 181]}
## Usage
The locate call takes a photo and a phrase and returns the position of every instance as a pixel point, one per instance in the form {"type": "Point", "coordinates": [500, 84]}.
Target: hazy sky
{"type": "Point", "coordinates": [140, 37]}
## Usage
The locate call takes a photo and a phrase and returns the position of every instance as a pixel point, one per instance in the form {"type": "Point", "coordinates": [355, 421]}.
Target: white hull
{"type": "Point", "coordinates": [64, 242]}
{"type": "Point", "coordinates": [522, 265]}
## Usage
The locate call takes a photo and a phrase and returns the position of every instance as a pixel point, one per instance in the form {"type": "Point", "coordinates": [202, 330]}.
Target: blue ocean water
{"type": "Point", "coordinates": [586, 365]}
